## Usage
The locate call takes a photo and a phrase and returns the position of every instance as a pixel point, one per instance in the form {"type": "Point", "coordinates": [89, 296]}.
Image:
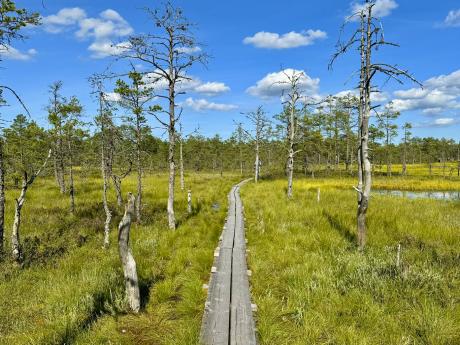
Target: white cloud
{"type": "Point", "coordinates": [189, 50]}
{"type": "Point", "coordinates": [453, 18]}
{"type": "Point", "coordinates": [440, 94]}
{"type": "Point", "coordinates": [212, 88]}
{"type": "Point", "coordinates": [440, 122]}
{"type": "Point", "coordinates": [10, 53]}
{"type": "Point", "coordinates": [382, 8]}
{"type": "Point", "coordinates": [110, 24]}
{"type": "Point", "coordinates": [291, 39]}
{"type": "Point", "coordinates": [188, 84]}
{"type": "Point", "coordinates": [112, 97]}
{"type": "Point", "coordinates": [274, 84]}
{"type": "Point", "coordinates": [103, 48]}
{"type": "Point", "coordinates": [64, 18]}
{"type": "Point", "coordinates": [202, 105]}
{"type": "Point", "coordinates": [103, 30]}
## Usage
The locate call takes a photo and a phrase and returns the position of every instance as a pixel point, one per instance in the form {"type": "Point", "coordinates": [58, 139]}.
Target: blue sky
{"type": "Point", "coordinates": [250, 43]}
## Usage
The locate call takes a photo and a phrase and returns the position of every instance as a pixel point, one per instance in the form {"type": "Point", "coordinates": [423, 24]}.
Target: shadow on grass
{"type": "Point", "coordinates": [342, 230]}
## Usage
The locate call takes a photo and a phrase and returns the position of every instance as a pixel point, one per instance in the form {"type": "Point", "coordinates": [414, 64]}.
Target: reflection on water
{"type": "Point", "coordinates": [445, 195]}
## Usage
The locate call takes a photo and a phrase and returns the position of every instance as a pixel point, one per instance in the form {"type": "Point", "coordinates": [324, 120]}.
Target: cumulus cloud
{"type": "Point", "coordinates": [212, 88]}
{"type": "Point", "coordinates": [188, 50]}
{"type": "Point", "coordinates": [10, 53]}
{"type": "Point", "coordinates": [102, 30]}
{"type": "Point", "coordinates": [188, 84]}
{"type": "Point", "coordinates": [382, 8]}
{"type": "Point", "coordinates": [453, 18]}
{"type": "Point", "coordinates": [440, 122]}
{"type": "Point", "coordinates": [274, 84]}
{"type": "Point", "coordinates": [291, 39]}
{"type": "Point", "coordinates": [440, 94]}
{"type": "Point", "coordinates": [103, 48]}
{"type": "Point", "coordinates": [202, 105]}
{"type": "Point", "coordinates": [66, 17]}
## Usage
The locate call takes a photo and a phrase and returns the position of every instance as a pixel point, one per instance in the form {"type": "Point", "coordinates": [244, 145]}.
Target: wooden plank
{"type": "Point", "coordinates": [242, 331]}
{"type": "Point", "coordinates": [228, 314]}
{"type": "Point", "coordinates": [217, 318]}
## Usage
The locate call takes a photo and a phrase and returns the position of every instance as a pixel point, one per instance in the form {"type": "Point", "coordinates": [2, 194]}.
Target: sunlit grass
{"type": "Point", "coordinates": [71, 290]}
{"type": "Point", "coordinates": [312, 286]}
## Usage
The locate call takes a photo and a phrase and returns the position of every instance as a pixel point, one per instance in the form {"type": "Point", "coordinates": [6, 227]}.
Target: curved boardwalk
{"type": "Point", "coordinates": [228, 312]}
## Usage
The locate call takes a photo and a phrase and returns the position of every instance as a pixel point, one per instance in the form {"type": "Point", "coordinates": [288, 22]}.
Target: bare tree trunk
{"type": "Point", "coordinates": [2, 198]}
{"type": "Point", "coordinates": [189, 201]}
{"type": "Point", "coordinates": [172, 165]}
{"type": "Point", "coordinates": [108, 214]}
{"type": "Point", "coordinates": [15, 238]}
{"type": "Point", "coordinates": [181, 165]}
{"type": "Point", "coordinates": [117, 184]}
{"type": "Point", "coordinates": [126, 257]}
{"type": "Point", "coordinates": [290, 170]}
{"type": "Point", "coordinates": [15, 241]}
{"type": "Point", "coordinates": [139, 171]}
{"type": "Point", "coordinates": [257, 164]}
{"type": "Point", "coordinates": [364, 149]}
{"type": "Point", "coordinates": [60, 162]}
{"type": "Point", "coordinates": [71, 184]}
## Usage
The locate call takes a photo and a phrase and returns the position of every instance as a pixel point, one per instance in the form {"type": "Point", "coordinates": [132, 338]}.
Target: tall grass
{"type": "Point", "coordinates": [312, 286]}
{"type": "Point", "coordinates": [71, 289]}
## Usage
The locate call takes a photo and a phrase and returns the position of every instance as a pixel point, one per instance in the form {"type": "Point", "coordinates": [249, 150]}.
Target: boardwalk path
{"type": "Point", "coordinates": [228, 313]}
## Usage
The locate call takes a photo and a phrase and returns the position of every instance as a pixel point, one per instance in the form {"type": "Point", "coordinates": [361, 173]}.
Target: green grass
{"type": "Point", "coordinates": [312, 286]}
{"type": "Point", "coordinates": [71, 290]}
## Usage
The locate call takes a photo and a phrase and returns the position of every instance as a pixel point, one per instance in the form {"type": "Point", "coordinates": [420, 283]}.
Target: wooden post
{"type": "Point", "coordinates": [398, 256]}
{"type": "Point", "coordinates": [318, 194]}
{"type": "Point", "coordinates": [189, 201]}
{"type": "Point", "coordinates": [126, 257]}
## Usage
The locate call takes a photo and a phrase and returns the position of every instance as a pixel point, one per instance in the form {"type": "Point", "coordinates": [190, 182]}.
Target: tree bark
{"type": "Point", "coordinates": [71, 184]}
{"type": "Point", "coordinates": [257, 163]}
{"type": "Point", "coordinates": [172, 165]}
{"type": "Point", "coordinates": [189, 201]}
{"type": "Point", "coordinates": [139, 171]}
{"type": "Point", "coordinates": [15, 238]}
{"type": "Point", "coordinates": [181, 165]}
{"type": "Point", "coordinates": [117, 184]}
{"type": "Point", "coordinates": [126, 257]}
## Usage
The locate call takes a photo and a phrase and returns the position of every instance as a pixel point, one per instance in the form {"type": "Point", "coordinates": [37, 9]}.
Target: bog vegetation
{"type": "Point", "coordinates": [328, 266]}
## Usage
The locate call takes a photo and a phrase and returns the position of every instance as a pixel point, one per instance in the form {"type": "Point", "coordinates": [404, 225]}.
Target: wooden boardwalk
{"type": "Point", "coordinates": [228, 313]}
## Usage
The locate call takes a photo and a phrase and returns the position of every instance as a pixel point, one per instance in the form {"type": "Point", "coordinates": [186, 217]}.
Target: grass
{"type": "Point", "coordinates": [312, 286]}
{"type": "Point", "coordinates": [70, 290]}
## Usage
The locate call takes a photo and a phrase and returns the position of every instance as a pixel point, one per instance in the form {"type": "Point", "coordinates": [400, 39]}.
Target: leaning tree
{"type": "Point", "coordinates": [167, 53]}
{"type": "Point", "coordinates": [368, 37]}
{"type": "Point", "coordinates": [12, 21]}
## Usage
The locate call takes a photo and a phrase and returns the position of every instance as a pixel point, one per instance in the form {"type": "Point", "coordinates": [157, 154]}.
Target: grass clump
{"type": "Point", "coordinates": [312, 285]}
{"type": "Point", "coordinates": [77, 295]}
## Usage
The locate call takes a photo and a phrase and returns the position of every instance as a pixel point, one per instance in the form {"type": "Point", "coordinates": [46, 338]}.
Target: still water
{"type": "Point", "coordinates": [444, 195]}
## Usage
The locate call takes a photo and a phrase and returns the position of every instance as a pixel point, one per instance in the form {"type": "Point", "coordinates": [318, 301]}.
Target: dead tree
{"type": "Point", "coordinates": [168, 54]}
{"type": "Point", "coordinates": [180, 138]}
{"type": "Point", "coordinates": [55, 117]}
{"type": "Point", "coordinates": [260, 122]}
{"type": "Point", "coordinates": [26, 183]}
{"type": "Point", "coordinates": [292, 98]}
{"type": "Point", "coordinates": [103, 121]}
{"type": "Point", "coordinates": [369, 37]}
{"type": "Point", "coordinates": [117, 183]}
{"type": "Point", "coordinates": [127, 259]}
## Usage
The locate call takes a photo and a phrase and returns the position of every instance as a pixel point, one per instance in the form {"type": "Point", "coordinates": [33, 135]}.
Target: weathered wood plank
{"type": "Point", "coordinates": [216, 324]}
{"type": "Point", "coordinates": [228, 314]}
{"type": "Point", "coordinates": [242, 330]}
